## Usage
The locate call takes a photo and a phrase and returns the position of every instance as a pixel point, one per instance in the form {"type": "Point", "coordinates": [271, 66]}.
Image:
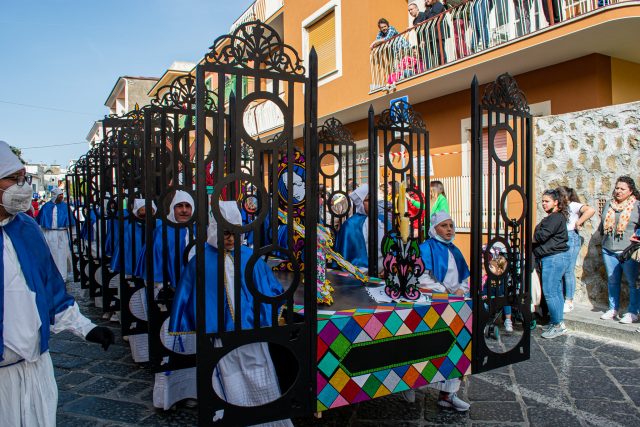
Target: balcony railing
{"type": "Point", "coordinates": [262, 116]}
{"type": "Point", "coordinates": [260, 10]}
{"type": "Point", "coordinates": [465, 30]}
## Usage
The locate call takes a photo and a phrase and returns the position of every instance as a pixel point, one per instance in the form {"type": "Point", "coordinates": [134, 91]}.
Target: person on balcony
{"type": "Point", "coordinates": [385, 32]}
{"type": "Point", "coordinates": [415, 13]}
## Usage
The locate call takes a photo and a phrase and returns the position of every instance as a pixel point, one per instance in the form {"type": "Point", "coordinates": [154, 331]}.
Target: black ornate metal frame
{"type": "Point", "coordinates": [402, 127]}
{"type": "Point", "coordinates": [92, 192]}
{"type": "Point", "coordinates": [256, 50]}
{"type": "Point", "coordinates": [169, 157]}
{"type": "Point", "coordinates": [74, 231]}
{"type": "Point", "coordinates": [336, 145]}
{"type": "Point", "coordinates": [502, 108]}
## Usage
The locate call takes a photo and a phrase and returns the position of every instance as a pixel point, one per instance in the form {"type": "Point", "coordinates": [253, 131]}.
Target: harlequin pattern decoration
{"type": "Point", "coordinates": [404, 264]}
{"type": "Point", "coordinates": [350, 347]}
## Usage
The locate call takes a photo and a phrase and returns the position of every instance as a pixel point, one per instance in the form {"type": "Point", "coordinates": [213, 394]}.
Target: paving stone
{"type": "Point", "coordinates": [69, 362]}
{"type": "Point", "coordinates": [71, 421]}
{"type": "Point", "coordinates": [133, 389]}
{"type": "Point", "coordinates": [542, 395]}
{"type": "Point", "coordinates": [622, 413]}
{"type": "Point", "coordinates": [143, 374]}
{"type": "Point", "coordinates": [94, 351]}
{"type": "Point", "coordinates": [113, 369]}
{"type": "Point", "coordinates": [181, 417]}
{"type": "Point", "coordinates": [108, 409]}
{"type": "Point", "coordinates": [360, 423]}
{"type": "Point", "coordinates": [59, 372]}
{"type": "Point", "coordinates": [634, 393]}
{"type": "Point", "coordinates": [630, 376]}
{"type": "Point", "coordinates": [539, 373]}
{"type": "Point", "coordinates": [586, 343]}
{"type": "Point", "coordinates": [551, 417]}
{"type": "Point", "coordinates": [73, 379]}
{"type": "Point", "coordinates": [481, 390]}
{"type": "Point", "coordinates": [496, 425]}
{"type": "Point", "coordinates": [621, 352]}
{"type": "Point", "coordinates": [496, 411]}
{"type": "Point", "coordinates": [390, 408]}
{"type": "Point", "coordinates": [592, 383]}
{"type": "Point", "coordinates": [567, 350]}
{"type": "Point", "coordinates": [435, 414]}
{"type": "Point", "coordinates": [65, 397]}
{"type": "Point", "coordinates": [100, 386]}
{"type": "Point", "coordinates": [612, 361]}
{"type": "Point", "coordinates": [574, 361]}
{"type": "Point", "coordinates": [336, 417]}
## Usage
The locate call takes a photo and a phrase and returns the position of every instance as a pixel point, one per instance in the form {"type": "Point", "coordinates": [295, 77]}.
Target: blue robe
{"type": "Point", "coordinates": [159, 259]}
{"type": "Point", "coordinates": [45, 216]}
{"type": "Point", "coordinates": [350, 241]}
{"type": "Point", "coordinates": [40, 273]}
{"type": "Point", "coordinates": [183, 310]}
{"type": "Point", "coordinates": [129, 263]}
{"type": "Point", "coordinates": [435, 255]}
{"type": "Point", "coordinates": [87, 227]}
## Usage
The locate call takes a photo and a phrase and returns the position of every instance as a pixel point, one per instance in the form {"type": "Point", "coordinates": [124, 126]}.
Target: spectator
{"type": "Point", "coordinates": [551, 250]}
{"type": "Point", "coordinates": [620, 216]}
{"type": "Point", "coordinates": [438, 198]}
{"type": "Point", "coordinates": [385, 32]}
{"type": "Point", "coordinates": [578, 215]}
{"type": "Point", "coordinates": [415, 13]}
{"type": "Point", "coordinates": [433, 8]}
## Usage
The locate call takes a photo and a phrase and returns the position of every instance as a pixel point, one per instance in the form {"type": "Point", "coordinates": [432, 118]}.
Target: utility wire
{"type": "Point", "coordinates": [41, 107]}
{"type": "Point", "coordinates": [49, 146]}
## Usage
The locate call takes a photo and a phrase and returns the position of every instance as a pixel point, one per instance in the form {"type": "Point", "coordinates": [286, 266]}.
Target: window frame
{"type": "Point", "coordinates": [334, 6]}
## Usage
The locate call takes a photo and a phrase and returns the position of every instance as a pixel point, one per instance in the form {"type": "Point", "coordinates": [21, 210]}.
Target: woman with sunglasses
{"type": "Point", "coordinates": [551, 249]}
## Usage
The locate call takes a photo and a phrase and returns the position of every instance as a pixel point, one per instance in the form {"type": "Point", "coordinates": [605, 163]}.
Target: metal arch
{"type": "Point", "coordinates": [503, 108]}
{"type": "Point", "coordinates": [335, 140]}
{"type": "Point", "coordinates": [399, 125]}
{"type": "Point", "coordinates": [256, 50]}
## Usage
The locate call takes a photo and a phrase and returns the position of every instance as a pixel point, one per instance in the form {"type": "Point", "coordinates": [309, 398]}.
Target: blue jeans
{"type": "Point", "coordinates": [575, 242]}
{"type": "Point", "coordinates": [614, 278]}
{"type": "Point", "coordinates": [553, 268]}
{"type": "Point", "coordinates": [480, 11]}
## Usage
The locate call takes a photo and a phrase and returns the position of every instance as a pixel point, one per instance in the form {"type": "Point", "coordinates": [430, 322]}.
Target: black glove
{"type": "Point", "coordinates": [101, 335]}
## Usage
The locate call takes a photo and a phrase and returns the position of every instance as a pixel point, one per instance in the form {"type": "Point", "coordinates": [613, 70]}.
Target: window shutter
{"type": "Point", "coordinates": [322, 36]}
{"type": "Point", "coordinates": [500, 145]}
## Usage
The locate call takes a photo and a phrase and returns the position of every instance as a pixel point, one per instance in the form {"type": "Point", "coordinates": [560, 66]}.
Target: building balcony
{"type": "Point", "coordinates": [261, 10]}
{"type": "Point", "coordinates": [471, 30]}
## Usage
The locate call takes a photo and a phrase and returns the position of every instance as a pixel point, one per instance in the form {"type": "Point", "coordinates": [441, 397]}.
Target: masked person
{"type": "Point", "coordinates": [55, 221]}
{"type": "Point", "coordinates": [353, 236]}
{"type": "Point", "coordinates": [245, 376]}
{"type": "Point", "coordinates": [445, 271]}
{"type": "Point", "coordinates": [33, 303]}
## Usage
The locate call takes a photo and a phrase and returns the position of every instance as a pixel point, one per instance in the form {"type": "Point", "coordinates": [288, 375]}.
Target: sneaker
{"type": "Point", "coordinates": [555, 331]}
{"type": "Point", "coordinates": [609, 315]}
{"type": "Point", "coordinates": [629, 318]}
{"type": "Point", "coordinates": [454, 402]}
{"type": "Point", "coordinates": [508, 325]}
{"type": "Point", "coordinates": [568, 307]}
{"type": "Point", "coordinates": [409, 395]}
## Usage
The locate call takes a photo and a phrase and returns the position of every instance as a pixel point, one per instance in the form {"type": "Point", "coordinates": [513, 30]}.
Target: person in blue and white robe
{"type": "Point", "coordinates": [33, 303]}
{"type": "Point", "coordinates": [352, 241]}
{"type": "Point", "coordinates": [246, 376]}
{"type": "Point", "coordinates": [445, 271]}
{"type": "Point", "coordinates": [55, 221]}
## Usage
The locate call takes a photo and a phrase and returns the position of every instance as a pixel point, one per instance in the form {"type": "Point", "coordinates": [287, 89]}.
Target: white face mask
{"type": "Point", "coordinates": [17, 199]}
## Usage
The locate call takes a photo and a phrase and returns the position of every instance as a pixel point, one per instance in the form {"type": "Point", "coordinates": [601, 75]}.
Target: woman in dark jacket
{"type": "Point", "coordinates": [551, 249]}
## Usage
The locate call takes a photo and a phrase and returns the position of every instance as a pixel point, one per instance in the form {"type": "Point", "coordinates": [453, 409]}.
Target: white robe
{"type": "Point", "coordinates": [28, 391]}
{"type": "Point", "coordinates": [58, 241]}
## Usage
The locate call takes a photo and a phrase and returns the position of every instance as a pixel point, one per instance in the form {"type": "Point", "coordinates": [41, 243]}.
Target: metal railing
{"type": "Point", "coordinates": [260, 10]}
{"type": "Point", "coordinates": [262, 116]}
{"type": "Point", "coordinates": [465, 30]}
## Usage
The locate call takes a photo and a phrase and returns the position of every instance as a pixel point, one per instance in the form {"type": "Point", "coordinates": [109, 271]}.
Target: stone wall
{"type": "Point", "coordinates": [588, 150]}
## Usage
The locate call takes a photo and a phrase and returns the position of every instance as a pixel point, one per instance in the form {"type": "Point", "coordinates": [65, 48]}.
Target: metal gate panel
{"type": "Point", "coordinates": [255, 50]}
{"type": "Point", "coordinates": [501, 215]}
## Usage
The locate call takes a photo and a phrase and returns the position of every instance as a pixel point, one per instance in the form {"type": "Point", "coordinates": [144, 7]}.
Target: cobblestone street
{"type": "Point", "coordinates": [573, 380]}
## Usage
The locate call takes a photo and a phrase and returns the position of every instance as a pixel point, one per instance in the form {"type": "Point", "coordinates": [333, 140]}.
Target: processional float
{"type": "Point", "coordinates": [379, 335]}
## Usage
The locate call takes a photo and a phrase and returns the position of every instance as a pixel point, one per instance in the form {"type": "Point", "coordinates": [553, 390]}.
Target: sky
{"type": "Point", "coordinates": [68, 54]}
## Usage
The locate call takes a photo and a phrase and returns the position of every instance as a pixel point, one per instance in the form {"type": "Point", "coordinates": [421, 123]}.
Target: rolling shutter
{"type": "Point", "coordinates": [322, 36]}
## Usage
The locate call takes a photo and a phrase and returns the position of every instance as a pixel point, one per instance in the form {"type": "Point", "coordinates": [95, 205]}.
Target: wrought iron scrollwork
{"type": "Point", "coordinates": [504, 93]}
{"type": "Point", "coordinates": [181, 94]}
{"type": "Point", "coordinates": [334, 132]}
{"type": "Point", "coordinates": [255, 45]}
{"type": "Point", "coordinates": [401, 115]}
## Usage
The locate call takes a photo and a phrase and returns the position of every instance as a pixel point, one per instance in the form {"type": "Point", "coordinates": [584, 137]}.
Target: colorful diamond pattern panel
{"type": "Point", "coordinates": [339, 331]}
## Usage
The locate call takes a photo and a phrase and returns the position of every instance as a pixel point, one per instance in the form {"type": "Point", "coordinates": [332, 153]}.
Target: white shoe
{"type": "Point", "coordinates": [409, 395]}
{"type": "Point", "coordinates": [629, 318]}
{"type": "Point", "coordinates": [454, 402]}
{"type": "Point", "coordinates": [609, 315]}
{"type": "Point", "coordinates": [508, 325]}
{"type": "Point", "coordinates": [568, 307]}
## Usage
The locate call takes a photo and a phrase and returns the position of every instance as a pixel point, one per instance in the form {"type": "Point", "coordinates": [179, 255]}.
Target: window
{"type": "Point", "coordinates": [500, 146]}
{"type": "Point", "coordinates": [322, 31]}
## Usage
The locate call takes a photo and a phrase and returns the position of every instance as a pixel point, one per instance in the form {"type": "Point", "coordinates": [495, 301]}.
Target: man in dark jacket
{"type": "Point", "coordinates": [433, 8]}
{"type": "Point", "coordinates": [415, 13]}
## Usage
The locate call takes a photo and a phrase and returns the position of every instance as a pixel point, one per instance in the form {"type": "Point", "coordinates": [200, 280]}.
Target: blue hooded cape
{"type": "Point", "coordinates": [45, 216]}
{"type": "Point", "coordinates": [350, 241]}
{"type": "Point", "coordinates": [183, 309]}
{"type": "Point", "coordinates": [87, 226]}
{"type": "Point", "coordinates": [129, 249]}
{"type": "Point", "coordinates": [435, 255]}
{"type": "Point", "coordinates": [40, 272]}
{"type": "Point", "coordinates": [158, 258]}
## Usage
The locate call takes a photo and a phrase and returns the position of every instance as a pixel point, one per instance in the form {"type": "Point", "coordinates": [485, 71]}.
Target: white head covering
{"type": "Point", "coordinates": [231, 213]}
{"type": "Point", "coordinates": [180, 197]}
{"type": "Point", "coordinates": [357, 197]}
{"type": "Point", "coordinates": [55, 192]}
{"type": "Point", "coordinates": [140, 203]}
{"type": "Point", "coordinates": [436, 219]}
{"type": "Point", "coordinates": [9, 162]}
